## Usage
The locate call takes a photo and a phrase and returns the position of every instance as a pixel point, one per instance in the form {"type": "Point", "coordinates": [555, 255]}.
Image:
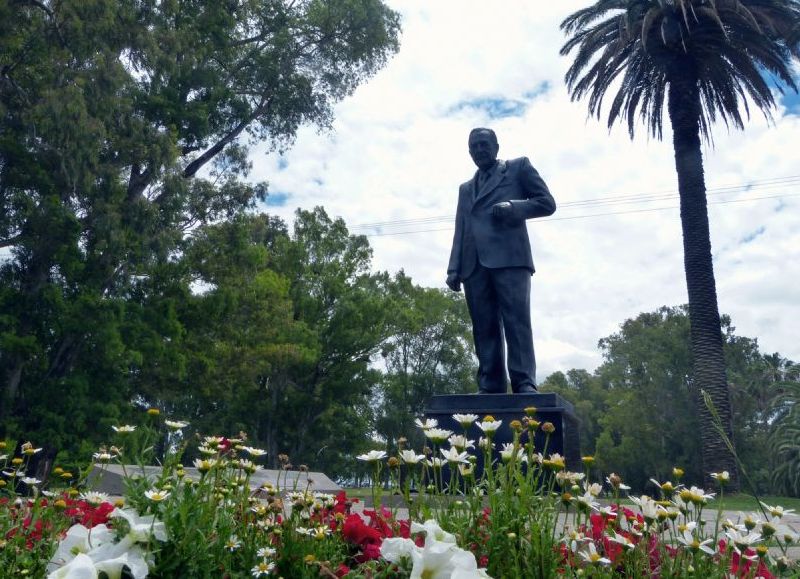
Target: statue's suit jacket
{"type": "Point", "coordinates": [481, 237]}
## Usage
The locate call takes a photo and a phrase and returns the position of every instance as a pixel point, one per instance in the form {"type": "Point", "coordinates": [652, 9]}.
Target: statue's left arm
{"type": "Point", "coordinates": [537, 201]}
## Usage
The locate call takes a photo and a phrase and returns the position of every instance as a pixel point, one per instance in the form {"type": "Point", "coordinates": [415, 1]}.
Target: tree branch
{"type": "Point", "coordinates": [138, 181]}
{"type": "Point", "coordinates": [193, 167]}
{"type": "Point", "coordinates": [10, 241]}
{"type": "Point", "coordinates": [52, 16]}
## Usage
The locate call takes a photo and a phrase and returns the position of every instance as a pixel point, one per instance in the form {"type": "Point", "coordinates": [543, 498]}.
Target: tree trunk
{"type": "Point", "coordinates": [706, 335]}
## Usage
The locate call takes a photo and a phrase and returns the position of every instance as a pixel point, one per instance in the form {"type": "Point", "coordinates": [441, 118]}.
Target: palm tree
{"type": "Point", "coordinates": [784, 431]}
{"type": "Point", "coordinates": [709, 59]}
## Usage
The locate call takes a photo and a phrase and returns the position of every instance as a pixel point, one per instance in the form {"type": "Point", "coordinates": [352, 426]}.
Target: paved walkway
{"type": "Point", "coordinates": [792, 520]}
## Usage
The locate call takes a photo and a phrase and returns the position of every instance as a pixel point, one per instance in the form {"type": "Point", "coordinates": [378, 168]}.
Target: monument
{"type": "Point", "coordinates": [491, 258]}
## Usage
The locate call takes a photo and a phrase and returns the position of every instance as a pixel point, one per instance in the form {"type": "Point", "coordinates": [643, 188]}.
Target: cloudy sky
{"type": "Point", "coordinates": [392, 166]}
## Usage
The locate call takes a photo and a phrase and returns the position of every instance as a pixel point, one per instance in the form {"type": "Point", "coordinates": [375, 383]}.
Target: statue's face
{"type": "Point", "coordinates": [483, 149]}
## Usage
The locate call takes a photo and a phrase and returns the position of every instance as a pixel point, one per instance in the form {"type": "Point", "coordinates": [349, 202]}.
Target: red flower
{"type": "Point", "coordinates": [369, 552]}
{"type": "Point", "coordinates": [342, 570]}
{"type": "Point", "coordinates": [88, 515]}
{"type": "Point", "coordinates": [404, 529]}
{"type": "Point", "coordinates": [742, 566]}
{"type": "Point", "coordinates": [356, 532]}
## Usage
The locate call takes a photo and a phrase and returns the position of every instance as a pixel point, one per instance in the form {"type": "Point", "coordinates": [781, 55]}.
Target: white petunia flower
{"type": "Point", "coordinates": [80, 567]}
{"type": "Point", "coordinates": [393, 549]}
{"type": "Point", "coordinates": [141, 528]}
{"type": "Point", "coordinates": [440, 557]}
{"type": "Point", "coordinates": [79, 540]}
{"type": "Point", "coordinates": [112, 558]}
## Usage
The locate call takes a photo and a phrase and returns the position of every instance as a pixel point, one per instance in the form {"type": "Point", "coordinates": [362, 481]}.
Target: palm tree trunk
{"type": "Point", "coordinates": [706, 335]}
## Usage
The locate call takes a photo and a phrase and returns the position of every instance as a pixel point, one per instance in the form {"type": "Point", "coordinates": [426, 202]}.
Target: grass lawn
{"type": "Point", "coordinates": [744, 502]}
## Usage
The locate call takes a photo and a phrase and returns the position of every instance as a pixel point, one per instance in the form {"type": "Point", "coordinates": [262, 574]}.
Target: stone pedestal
{"type": "Point", "coordinates": [507, 407]}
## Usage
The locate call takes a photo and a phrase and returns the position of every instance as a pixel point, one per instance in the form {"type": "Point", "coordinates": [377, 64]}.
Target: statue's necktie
{"type": "Point", "coordinates": [483, 177]}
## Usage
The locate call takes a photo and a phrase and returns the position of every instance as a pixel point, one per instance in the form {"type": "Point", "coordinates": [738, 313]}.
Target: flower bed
{"type": "Point", "coordinates": [526, 516]}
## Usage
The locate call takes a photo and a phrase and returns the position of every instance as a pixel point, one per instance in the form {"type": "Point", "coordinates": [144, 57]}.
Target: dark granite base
{"type": "Point", "coordinates": [550, 407]}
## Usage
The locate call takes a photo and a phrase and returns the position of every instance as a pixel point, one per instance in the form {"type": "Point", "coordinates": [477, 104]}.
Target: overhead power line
{"type": "Point", "coordinates": [411, 226]}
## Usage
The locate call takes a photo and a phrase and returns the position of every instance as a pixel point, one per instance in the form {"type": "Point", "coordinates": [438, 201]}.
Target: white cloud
{"type": "Point", "coordinates": [399, 153]}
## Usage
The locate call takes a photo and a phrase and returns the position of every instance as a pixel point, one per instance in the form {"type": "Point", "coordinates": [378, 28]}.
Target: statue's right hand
{"type": "Point", "coordinates": [454, 282]}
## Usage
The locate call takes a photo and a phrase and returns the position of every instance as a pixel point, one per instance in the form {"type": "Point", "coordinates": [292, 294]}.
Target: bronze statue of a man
{"type": "Point", "coordinates": [491, 256]}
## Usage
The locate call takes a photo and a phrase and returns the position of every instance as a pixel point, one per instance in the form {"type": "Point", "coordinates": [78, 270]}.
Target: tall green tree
{"type": "Point", "coordinates": [429, 353]}
{"type": "Point", "coordinates": [588, 396]}
{"type": "Point", "coordinates": [784, 429]}
{"type": "Point", "coordinates": [277, 338]}
{"type": "Point", "coordinates": [112, 115]}
{"type": "Point", "coordinates": [648, 426]}
{"type": "Point", "coordinates": [337, 296]}
{"type": "Point", "coordinates": [636, 407]}
{"type": "Point", "coordinates": [703, 59]}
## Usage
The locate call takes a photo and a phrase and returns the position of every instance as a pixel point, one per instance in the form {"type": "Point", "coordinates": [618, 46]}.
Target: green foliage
{"type": "Point", "coordinates": [729, 50]}
{"type": "Point", "coordinates": [784, 436]}
{"type": "Point", "coordinates": [123, 130]}
{"type": "Point", "coordinates": [637, 413]}
{"type": "Point", "coordinates": [429, 353]}
{"type": "Point", "coordinates": [701, 61]}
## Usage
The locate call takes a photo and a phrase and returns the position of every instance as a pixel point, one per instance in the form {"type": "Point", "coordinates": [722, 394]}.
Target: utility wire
{"type": "Point", "coordinates": [405, 226]}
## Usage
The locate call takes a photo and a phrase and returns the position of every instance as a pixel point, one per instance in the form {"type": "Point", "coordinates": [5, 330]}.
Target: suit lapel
{"type": "Point", "coordinates": [493, 181]}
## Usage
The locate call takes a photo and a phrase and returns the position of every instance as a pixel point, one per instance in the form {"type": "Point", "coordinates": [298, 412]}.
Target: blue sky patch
{"type": "Point", "coordinates": [753, 235]}
{"type": "Point", "coordinates": [791, 100]}
{"type": "Point", "coordinates": [277, 199]}
{"type": "Point", "coordinates": [543, 88]}
{"type": "Point", "coordinates": [497, 107]}
{"type": "Point", "coordinates": [282, 163]}
{"type": "Point", "coordinates": [494, 107]}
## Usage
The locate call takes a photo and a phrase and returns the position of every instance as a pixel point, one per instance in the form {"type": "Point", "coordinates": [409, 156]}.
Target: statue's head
{"type": "Point", "coordinates": [483, 147]}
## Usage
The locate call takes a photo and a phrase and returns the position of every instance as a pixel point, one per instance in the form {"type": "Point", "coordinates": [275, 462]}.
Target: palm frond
{"type": "Point", "coordinates": [734, 52]}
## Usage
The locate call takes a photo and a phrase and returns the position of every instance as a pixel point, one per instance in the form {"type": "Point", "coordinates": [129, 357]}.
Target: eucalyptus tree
{"type": "Point", "coordinates": [701, 60]}
{"type": "Point", "coordinates": [112, 114]}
